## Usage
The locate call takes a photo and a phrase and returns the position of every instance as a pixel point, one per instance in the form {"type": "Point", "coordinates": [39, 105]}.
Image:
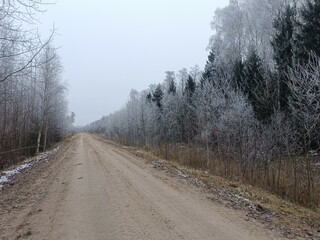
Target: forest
{"type": "Point", "coordinates": [33, 105]}
{"type": "Point", "coordinates": [251, 115]}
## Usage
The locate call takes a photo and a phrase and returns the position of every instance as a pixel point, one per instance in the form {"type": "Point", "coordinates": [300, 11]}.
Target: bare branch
{"type": "Point", "coordinates": [26, 65]}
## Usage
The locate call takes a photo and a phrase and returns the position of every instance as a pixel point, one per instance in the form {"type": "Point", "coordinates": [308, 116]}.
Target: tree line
{"type": "Point", "coordinates": [252, 114]}
{"type": "Point", "coordinates": [33, 106]}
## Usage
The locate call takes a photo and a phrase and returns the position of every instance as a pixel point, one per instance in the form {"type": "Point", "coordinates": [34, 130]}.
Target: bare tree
{"type": "Point", "coordinates": [51, 88]}
{"type": "Point", "coordinates": [14, 14]}
{"type": "Point", "coordinates": [305, 107]}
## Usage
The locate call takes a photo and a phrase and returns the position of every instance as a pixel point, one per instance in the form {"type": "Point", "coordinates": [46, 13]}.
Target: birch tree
{"type": "Point", "coordinates": [305, 108]}
{"type": "Point", "coordinates": [50, 90]}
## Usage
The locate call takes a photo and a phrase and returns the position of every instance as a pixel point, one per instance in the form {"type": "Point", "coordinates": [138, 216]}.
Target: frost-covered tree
{"type": "Point", "coordinates": [305, 109]}
{"type": "Point", "coordinates": [15, 17]}
{"type": "Point", "coordinates": [190, 88]}
{"type": "Point", "coordinates": [210, 70]}
{"type": "Point", "coordinates": [51, 90]}
{"type": "Point", "coordinates": [170, 82]}
{"type": "Point", "coordinates": [305, 100]}
{"type": "Point", "coordinates": [228, 40]}
{"type": "Point", "coordinates": [157, 96]}
{"type": "Point", "coordinates": [253, 111]}
{"type": "Point", "coordinates": [243, 24]}
{"type": "Point", "coordinates": [21, 83]}
{"type": "Point", "coordinates": [189, 106]}
{"type": "Point", "coordinates": [237, 74]}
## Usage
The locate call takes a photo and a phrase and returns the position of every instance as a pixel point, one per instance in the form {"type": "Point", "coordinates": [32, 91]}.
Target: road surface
{"type": "Point", "coordinates": [93, 190]}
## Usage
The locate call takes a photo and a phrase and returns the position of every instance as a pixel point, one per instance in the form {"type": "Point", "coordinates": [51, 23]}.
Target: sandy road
{"type": "Point", "coordinates": [101, 192]}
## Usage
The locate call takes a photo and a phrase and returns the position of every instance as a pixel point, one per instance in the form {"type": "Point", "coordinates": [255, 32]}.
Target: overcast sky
{"type": "Point", "coordinates": [109, 47]}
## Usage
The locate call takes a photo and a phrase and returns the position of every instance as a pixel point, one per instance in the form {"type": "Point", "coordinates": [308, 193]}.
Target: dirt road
{"type": "Point", "coordinates": [92, 190]}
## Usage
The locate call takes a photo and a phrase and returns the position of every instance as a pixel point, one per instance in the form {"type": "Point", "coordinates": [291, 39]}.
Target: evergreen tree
{"type": "Point", "coordinates": [157, 96]}
{"type": "Point", "coordinates": [255, 86]}
{"type": "Point", "coordinates": [170, 81]}
{"type": "Point", "coordinates": [172, 88]}
{"type": "Point", "coordinates": [149, 98]}
{"type": "Point", "coordinates": [252, 73]}
{"type": "Point", "coordinates": [237, 73]}
{"type": "Point", "coordinates": [209, 69]}
{"type": "Point", "coordinates": [308, 36]}
{"type": "Point", "coordinates": [282, 44]}
{"type": "Point", "coordinates": [190, 87]}
{"type": "Point", "coordinates": [189, 129]}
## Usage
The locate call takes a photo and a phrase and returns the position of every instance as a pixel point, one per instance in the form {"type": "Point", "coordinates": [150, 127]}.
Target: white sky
{"type": "Point", "coordinates": [110, 47]}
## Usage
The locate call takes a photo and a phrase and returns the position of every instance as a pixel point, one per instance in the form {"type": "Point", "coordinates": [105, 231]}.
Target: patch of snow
{"type": "Point", "coordinates": [181, 174]}
{"type": "Point", "coordinates": [5, 176]}
{"type": "Point", "coordinates": [3, 179]}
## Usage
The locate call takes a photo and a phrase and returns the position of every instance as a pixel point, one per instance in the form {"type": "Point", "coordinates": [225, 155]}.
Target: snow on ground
{"type": "Point", "coordinates": [5, 176]}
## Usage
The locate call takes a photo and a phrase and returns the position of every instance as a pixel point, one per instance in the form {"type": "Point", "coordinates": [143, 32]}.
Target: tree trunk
{"type": "Point", "coordinates": [39, 139]}
{"type": "Point", "coordinates": [45, 137]}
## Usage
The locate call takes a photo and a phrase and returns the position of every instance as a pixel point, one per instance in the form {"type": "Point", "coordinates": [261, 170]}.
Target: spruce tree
{"type": "Point", "coordinates": [252, 73]}
{"type": "Point", "coordinates": [209, 69]}
{"type": "Point", "coordinates": [190, 119]}
{"type": "Point", "coordinates": [190, 86]}
{"type": "Point", "coordinates": [255, 87]}
{"type": "Point", "coordinates": [237, 73]}
{"type": "Point", "coordinates": [308, 36]}
{"type": "Point", "coordinates": [170, 81]}
{"type": "Point", "coordinates": [282, 44]}
{"type": "Point", "coordinates": [149, 98]}
{"type": "Point", "coordinates": [157, 96]}
{"type": "Point", "coordinates": [172, 88]}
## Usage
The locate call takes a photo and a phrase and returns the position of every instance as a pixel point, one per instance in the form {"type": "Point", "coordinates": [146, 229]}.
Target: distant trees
{"type": "Point", "coordinates": [33, 107]}
{"type": "Point", "coordinates": [252, 114]}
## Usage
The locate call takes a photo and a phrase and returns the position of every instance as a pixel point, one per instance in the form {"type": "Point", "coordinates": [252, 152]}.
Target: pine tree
{"type": "Point", "coordinates": [282, 44]}
{"type": "Point", "coordinates": [308, 36]}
